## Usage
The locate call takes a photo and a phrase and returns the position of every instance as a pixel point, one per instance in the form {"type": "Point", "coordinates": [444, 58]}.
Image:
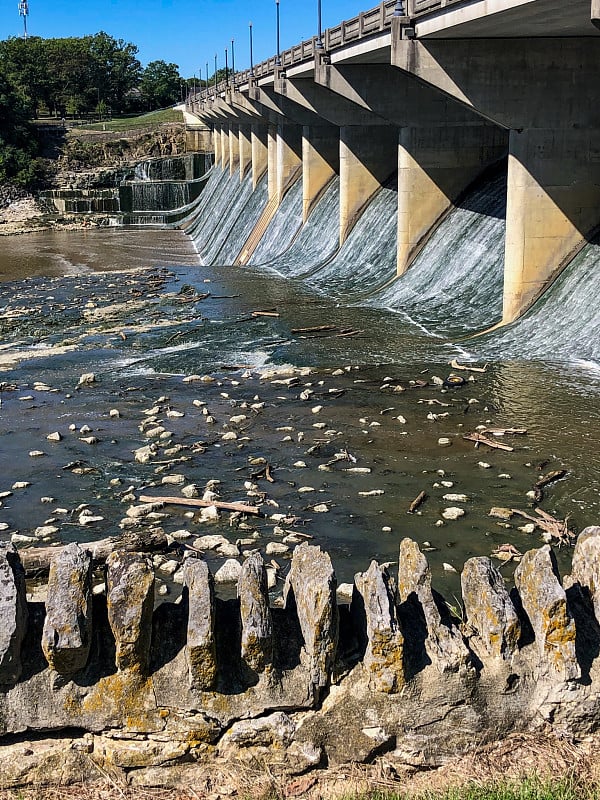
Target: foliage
{"type": "Point", "coordinates": [18, 142]}
{"type": "Point", "coordinates": [160, 85]}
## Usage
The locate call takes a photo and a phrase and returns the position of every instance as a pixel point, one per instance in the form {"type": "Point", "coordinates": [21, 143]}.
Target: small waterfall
{"type": "Point", "coordinates": [248, 214]}
{"type": "Point", "coordinates": [282, 228]}
{"type": "Point", "coordinates": [564, 325]}
{"type": "Point", "coordinates": [454, 286]}
{"type": "Point", "coordinates": [318, 239]}
{"type": "Point", "coordinates": [84, 201]}
{"type": "Point", "coordinates": [186, 167]}
{"type": "Point", "coordinates": [367, 259]}
{"type": "Point", "coordinates": [159, 195]}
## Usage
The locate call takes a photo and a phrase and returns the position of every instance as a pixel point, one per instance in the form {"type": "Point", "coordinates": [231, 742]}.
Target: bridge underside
{"type": "Point", "coordinates": [437, 100]}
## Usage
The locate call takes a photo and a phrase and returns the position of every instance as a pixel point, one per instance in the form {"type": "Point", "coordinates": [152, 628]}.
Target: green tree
{"type": "Point", "coordinates": [18, 142]}
{"type": "Point", "coordinates": [114, 68]}
{"type": "Point", "coordinates": [160, 84]}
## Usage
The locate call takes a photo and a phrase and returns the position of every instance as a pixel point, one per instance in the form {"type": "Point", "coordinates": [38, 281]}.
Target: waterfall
{"type": "Point", "coordinates": [367, 259]}
{"type": "Point", "coordinates": [318, 239]}
{"type": "Point", "coordinates": [282, 229]}
{"type": "Point", "coordinates": [563, 325]}
{"type": "Point", "coordinates": [454, 286]}
{"type": "Point", "coordinates": [244, 215]}
{"type": "Point", "coordinates": [186, 167]}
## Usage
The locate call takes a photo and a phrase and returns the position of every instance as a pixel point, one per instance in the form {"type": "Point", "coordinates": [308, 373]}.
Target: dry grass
{"type": "Point", "coordinates": [522, 767]}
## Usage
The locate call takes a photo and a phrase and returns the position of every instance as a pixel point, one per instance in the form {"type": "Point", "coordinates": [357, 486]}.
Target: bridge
{"type": "Point", "coordinates": [436, 92]}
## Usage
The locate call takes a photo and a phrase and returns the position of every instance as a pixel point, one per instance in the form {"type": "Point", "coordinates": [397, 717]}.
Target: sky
{"type": "Point", "coordinates": [186, 32]}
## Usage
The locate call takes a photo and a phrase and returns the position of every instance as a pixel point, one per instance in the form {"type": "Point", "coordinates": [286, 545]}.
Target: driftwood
{"type": "Point", "coordinates": [557, 529]}
{"type": "Point", "coordinates": [194, 503]}
{"type": "Point", "coordinates": [545, 480]}
{"type": "Point", "coordinates": [315, 329]}
{"type": "Point", "coordinates": [36, 560]}
{"type": "Point", "coordinates": [479, 439]}
{"type": "Point", "coordinates": [455, 365]}
{"type": "Point", "coordinates": [507, 431]}
{"type": "Point", "coordinates": [420, 498]}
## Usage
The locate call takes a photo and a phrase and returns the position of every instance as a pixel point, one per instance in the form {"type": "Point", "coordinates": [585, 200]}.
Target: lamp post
{"type": "Point", "coordinates": [207, 79]}
{"type": "Point", "coordinates": [251, 53]}
{"type": "Point", "coordinates": [24, 12]}
{"type": "Point", "coordinates": [278, 59]}
{"type": "Point", "coordinates": [232, 64]}
{"type": "Point", "coordinates": [399, 9]}
{"type": "Point", "coordinates": [320, 28]}
{"type": "Point", "coordinates": [215, 76]}
{"type": "Point", "coordinates": [226, 69]}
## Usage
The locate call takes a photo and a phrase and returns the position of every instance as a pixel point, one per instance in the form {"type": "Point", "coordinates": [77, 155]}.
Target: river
{"type": "Point", "coordinates": [348, 418]}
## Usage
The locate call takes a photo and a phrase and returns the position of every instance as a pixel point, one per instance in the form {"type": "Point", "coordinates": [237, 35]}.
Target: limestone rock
{"type": "Point", "coordinates": [275, 730]}
{"type": "Point", "coordinates": [489, 608]}
{"type": "Point", "coordinates": [444, 643]}
{"type": "Point", "coordinates": [67, 634]}
{"type": "Point", "coordinates": [230, 572]}
{"type": "Point", "coordinates": [312, 581]}
{"type": "Point", "coordinates": [200, 649]}
{"type": "Point", "coordinates": [385, 642]}
{"type": "Point", "coordinates": [545, 603]}
{"type": "Point", "coordinates": [130, 599]}
{"type": "Point", "coordinates": [257, 625]}
{"type": "Point", "coordinates": [13, 613]}
{"type": "Point", "coordinates": [585, 569]}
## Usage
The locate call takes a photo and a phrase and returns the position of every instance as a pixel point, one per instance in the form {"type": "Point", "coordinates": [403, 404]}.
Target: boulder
{"type": "Point", "coordinates": [384, 652]}
{"type": "Point", "coordinates": [257, 625]}
{"type": "Point", "coordinates": [545, 603]}
{"type": "Point", "coordinates": [489, 609]}
{"type": "Point", "coordinates": [67, 634]}
{"type": "Point", "coordinates": [444, 643]}
{"type": "Point", "coordinates": [312, 582]}
{"type": "Point", "coordinates": [201, 648]}
{"type": "Point", "coordinates": [130, 600]}
{"type": "Point", "coordinates": [585, 569]}
{"type": "Point", "coordinates": [13, 613]}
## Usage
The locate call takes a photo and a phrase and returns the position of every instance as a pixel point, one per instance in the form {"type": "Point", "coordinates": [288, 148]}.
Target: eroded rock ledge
{"type": "Point", "coordinates": [155, 694]}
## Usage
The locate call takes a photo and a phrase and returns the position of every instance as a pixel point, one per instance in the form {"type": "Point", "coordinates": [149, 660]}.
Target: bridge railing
{"type": "Point", "coordinates": [418, 7]}
{"type": "Point", "coordinates": [366, 24]}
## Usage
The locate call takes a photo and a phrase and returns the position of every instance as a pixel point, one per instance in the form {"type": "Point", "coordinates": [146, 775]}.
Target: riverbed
{"type": "Point", "coordinates": [229, 363]}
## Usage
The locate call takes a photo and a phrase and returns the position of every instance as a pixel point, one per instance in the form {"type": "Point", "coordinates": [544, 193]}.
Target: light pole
{"type": "Point", "coordinates": [320, 28]}
{"type": "Point", "coordinates": [24, 12]}
{"type": "Point", "coordinates": [399, 9]}
{"type": "Point", "coordinates": [207, 79]}
{"type": "Point", "coordinates": [251, 54]}
{"type": "Point", "coordinates": [215, 76]}
{"type": "Point", "coordinates": [226, 69]}
{"type": "Point", "coordinates": [232, 64]}
{"type": "Point", "coordinates": [278, 59]}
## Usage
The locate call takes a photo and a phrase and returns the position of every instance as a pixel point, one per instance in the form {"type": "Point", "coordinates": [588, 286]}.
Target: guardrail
{"type": "Point", "coordinates": [418, 7]}
{"type": "Point", "coordinates": [366, 24]}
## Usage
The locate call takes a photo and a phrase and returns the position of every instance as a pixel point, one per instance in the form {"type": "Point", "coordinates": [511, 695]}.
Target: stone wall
{"type": "Point", "coordinates": [298, 686]}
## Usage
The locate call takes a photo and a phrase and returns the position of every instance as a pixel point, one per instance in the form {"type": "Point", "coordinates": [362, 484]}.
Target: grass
{"type": "Point", "coordinates": [526, 789]}
{"type": "Point", "coordinates": [166, 115]}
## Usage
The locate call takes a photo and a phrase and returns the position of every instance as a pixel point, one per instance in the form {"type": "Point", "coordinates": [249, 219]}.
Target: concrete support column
{"type": "Point", "coordinates": [289, 156]}
{"type": "Point", "coordinates": [320, 162]}
{"type": "Point", "coordinates": [245, 149]}
{"type": "Point", "coordinates": [435, 165]}
{"type": "Point", "coordinates": [234, 149]}
{"type": "Point", "coordinates": [368, 158]}
{"type": "Point", "coordinates": [272, 158]}
{"type": "Point", "coordinates": [553, 206]}
{"type": "Point", "coordinates": [260, 158]}
{"type": "Point", "coordinates": [217, 143]}
{"type": "Point", "coordinates": [225, 146]}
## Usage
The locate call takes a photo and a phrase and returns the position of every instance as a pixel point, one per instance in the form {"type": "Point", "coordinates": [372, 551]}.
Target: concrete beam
{"type": "Point", "coordinates": [234, 148]}
{"type": "Point", "coordinates": [435, 166]}
{"type": "Point", "coordinates": [553, 208]}
{"type": "Point", "coordinates": [320, 163]}
{"type": "Point", "coordinates": [281, 110]}
{"type": "Point", "coordinates": [516, 83]}
{"type": "Point", "coordinates": [367, 162]}
{"type": "Point", "coordinates": [245, 150]}
{"type": "Point", "coordinates": [289, 157]}
{"type": "Point", "coordinates": [260, 152]}
{"type": "Point", "coordinates": [217, 143]}
{"type": "Point", "coordinates": [225, 146]}
{"type": "Point", "coordinates": [325, 103]}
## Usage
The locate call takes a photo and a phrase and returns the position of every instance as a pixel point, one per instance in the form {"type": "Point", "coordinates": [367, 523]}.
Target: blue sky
{"type": "Point", "coordinates": [187, 32]}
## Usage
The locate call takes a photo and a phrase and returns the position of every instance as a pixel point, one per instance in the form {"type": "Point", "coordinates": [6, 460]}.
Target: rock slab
{"type": "Point", "coordinates": [13, 613]}
{"type": "Point", "coordinates": [130, 600]}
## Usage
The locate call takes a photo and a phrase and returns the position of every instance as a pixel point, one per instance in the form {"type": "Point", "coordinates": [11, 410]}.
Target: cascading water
{"type": "Point", "coordinates": [454, 285]}
{"type": "Point", "coordinates": [317, 241]}
{"type": "Point", "coordinates": [539, 335]}
{"type": "Point", "coordinates": [210, 229]}
{"type": "Point", "coordinates": [367, 258]}
{"type": "Point", "coordinates": [248, 214]}
{"type": "Point", "coordinates": [282, 229]}
{"type": "Point", "coordinates": [186, 167]}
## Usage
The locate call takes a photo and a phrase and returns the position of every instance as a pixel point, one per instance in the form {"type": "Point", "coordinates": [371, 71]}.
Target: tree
{"type": "Point", "coordinates": [115, 69]}
{"type": "Point", "coordinates": [160, 84]}
{"type": "Point", "coordinates": [18, 142]}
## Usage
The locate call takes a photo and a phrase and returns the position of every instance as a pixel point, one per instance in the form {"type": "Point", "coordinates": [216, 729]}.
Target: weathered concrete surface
{"type": "Point", "coordinates": [545, 603]}
{"type": "Point", "coordinates": [13, 613]}
{"type": "Point", "coordinates": [67, 635]}
{"type": "Point", "coordinates": [489, 609]}
{"type": "Point", "coordinates": [130, 593]}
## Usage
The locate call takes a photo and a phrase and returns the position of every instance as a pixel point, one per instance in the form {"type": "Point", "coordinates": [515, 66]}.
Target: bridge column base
{"type": "Point", "coordinates": [245, 150]}
{"type": "Point", "coordinates": [225, 147]}
{"type": "Point", "coordinates": [553, 207]}
{"type": "Point", "coordinates": [260, 156]}
{"type": "Point", "coordinates": [368, 158]}
{"type": "Point", "coordinates": [234, 149]}
{"type": "Point", "coordinates": [435, 165]}
{"type": "Point", "coordinates": [289, 156]}
{"type": "Point", "coordinates": [320, 163]}
{"type": "Point", "coordinates": [217, 144]}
